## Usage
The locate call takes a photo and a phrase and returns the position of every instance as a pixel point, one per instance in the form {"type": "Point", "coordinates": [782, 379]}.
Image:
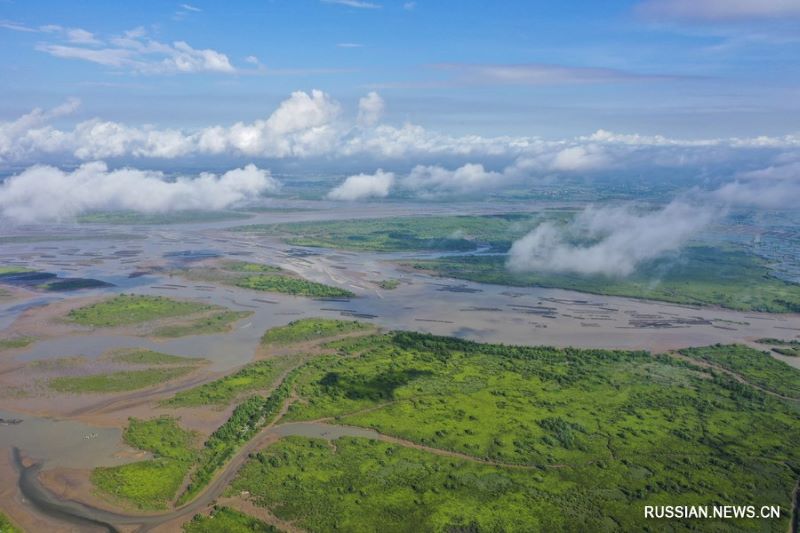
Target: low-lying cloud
{"type": "Point", "coordinates": [773, 187]}
{"type": "Point", "coordinates": [363, 186]}
{"type": "Point", "coordinates": [46, 193]}
{"type": "Point", "coordinates": [618, 239]}
{"type": "Point", "coordinates": [431, 180]}
{"type": "Point", "coordinates": [774, 195]}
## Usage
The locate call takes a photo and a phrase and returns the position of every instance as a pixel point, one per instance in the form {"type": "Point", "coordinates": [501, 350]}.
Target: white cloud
{"type": "Point", "coordinates": [16, 26]}
{"type": "Point", "coordinates": [359, 4]}
{"type": "Point", "coordinates": [605, 136]}
{"type": "Point", "coordinates": [620, 239]}
{"type": "Point", "coordinates": [716, 10]}
{"type": "Point", "coordinates": [135, 52]}
{"type": "Point", "coordinates": [781, 194]}
{"type": "Point", "coordinates": [110, 57]}
{"type": "Point", "coordinates": [438, 180]}
{"type": "Point", "coordinates": [362, 186]}
{"type": "Point", "coordinates": [773, 187]}
{"type": "Point", "coordinates": [575, 158]}
{"type": "Point", "coordinates": [80, 36]}
{"type": "Point", "coordinates": [23, 135]}
{"type": "Point", "coordinates": [312, 124]}
{"type": "Point", "coordinates": [302, 126]}
{"type": "Point", "coordinates": [536, 74]}
{"type": "Point", "coordinates": [43, 193]}
{"type": "Point", "coordinates": [189, 7]}
{"type": "Point", "coordinates": [302, 111]}
{"type": "Point", "coordinates": [370, 109]}
{"type": "Point", "coordinates": [788, 171]}
{"type": "Point", "coordinates": [184, 58]}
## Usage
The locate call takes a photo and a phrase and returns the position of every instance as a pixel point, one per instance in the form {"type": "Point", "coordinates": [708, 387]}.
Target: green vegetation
{"type": "Point", "coordinates": [395, 234]}
{"type": "Point", "coordinates": [373, 486]}
{"type": "Point", "coordinates": [756, 367]}
{"type": "Point", "coordinates": [290, 285]}
{"type": "Point", "coordinates": [150, 484]}
{"type": "Point", "coordinates": [227, 520]}
{"type": "Point", "coordinates": [73, 284]}
{"type": "Point", "coordinates": [779, 342]}
{"type": "Point", "coordinates": [11, 270]}
{"type": "Point", "coordinates": [260, 277]}
{"type": "Point", "coordinates": [6, 526]}
{"type": "Point", "coordinates": [308, 329]}
{"type": "Point", "coordinates": [218, 322]}
{"type": "Point", "coordinates": [250, 268]}
{"type": "Point", "coordinates": [790, 348]}
{"type": "Point", "coordinates": [702, 275]}
{"type": "Point", "coordinates": [154, 483]}
{"type": "Point", "coordinates": [561, 439]}
{"type": "Point", "coordinates": [175, 217]}
{"type": "Point", "coordinates": [126, 309]}
{"type": "Point", "coordinates": [389, 284]}
{"type": "Point", "coordinates": [245, 421]}
{"type": "Point", "coordinates": [117, 381]}
{"type": "Point", "coordinates": [59, 363]}
{"type": "Point", "coordinates": [149, 357]}
{"type": "Point", "coordinates": [223, 391]}
{"type": "Point", "coordinates": [14, 343]}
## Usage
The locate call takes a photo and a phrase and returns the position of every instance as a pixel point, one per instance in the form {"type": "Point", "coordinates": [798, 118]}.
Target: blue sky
{"type": "Point", "coordinates": [394, 99]}
{"type": "Point", "coordinates": [551, 69]}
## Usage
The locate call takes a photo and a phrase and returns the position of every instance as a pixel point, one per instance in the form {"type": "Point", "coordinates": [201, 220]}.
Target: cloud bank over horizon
{"type": "Point", "coordinates": [309, 125]}
{"type": "Point", "coordinates": [314, 126]}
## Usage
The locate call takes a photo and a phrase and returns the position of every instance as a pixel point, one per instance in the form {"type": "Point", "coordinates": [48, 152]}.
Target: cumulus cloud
{"type": "Point", "coordinates": [370, 109]}
{"type": "Point", "coordinates": [43, 193]}
{"type": "Point", "coordinates": [474, 177]}
{"type": "Point", "coordinates": [362, 186]}
{"type": "Point", "coordinates": [438, 180]}
{"type": "Point", "coordinates": [303, 125]}
{"type": "Point", "coordinates": [610, 241]}
{"type": "Point", "coordinates": [312, 124]}
{"type": "Point", "coordinates": [580, 158]}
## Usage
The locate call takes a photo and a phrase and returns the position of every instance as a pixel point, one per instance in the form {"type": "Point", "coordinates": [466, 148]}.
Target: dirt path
{"type": "Point", "coordinates": [737, 377]}
{"type": "Point", "coordinates": [246, 506]}
{"type": "Point", "coordinates": [134, 399]}
{"type": "Point", "coordinates": [356, 431]}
